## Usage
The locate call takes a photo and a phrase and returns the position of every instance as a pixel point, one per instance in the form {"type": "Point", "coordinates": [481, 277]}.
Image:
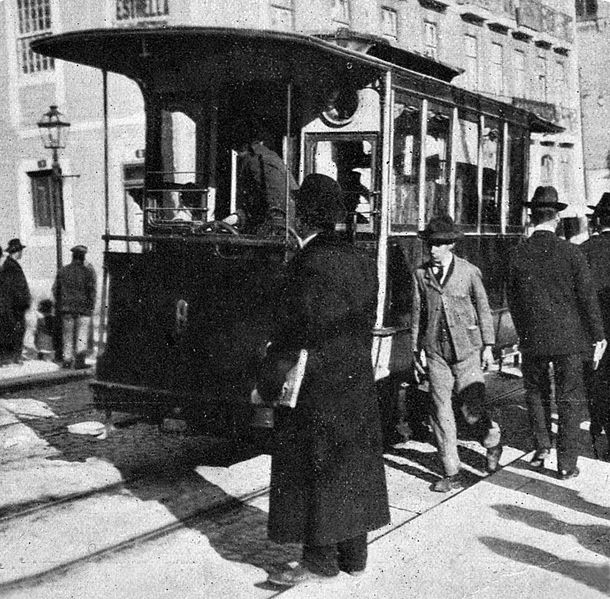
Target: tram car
{"type": "Point", "coordinates": [187, 318]}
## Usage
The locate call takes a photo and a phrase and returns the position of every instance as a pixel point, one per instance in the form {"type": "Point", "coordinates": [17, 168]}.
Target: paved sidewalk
{"type": "Point", "coordinates": [31, 373]}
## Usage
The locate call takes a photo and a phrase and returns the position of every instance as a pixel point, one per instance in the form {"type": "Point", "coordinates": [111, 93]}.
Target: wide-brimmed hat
{"type": "Point", "coordinates": [318, 201]}
{"type": "Point", "coordinates": [14, 245]}
{"type": "Point", "coordinates": [602, 207]}
{"type": "Point", "coordinates": [441, 229]}
{"type": "Point", "coordinates": [546, 196]}
{"type": "Point", "coordinates": [79, 249]}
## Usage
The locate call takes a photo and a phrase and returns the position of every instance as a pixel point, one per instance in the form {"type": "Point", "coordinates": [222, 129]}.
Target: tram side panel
{"type": "Point", "coordinates": [187, 328]}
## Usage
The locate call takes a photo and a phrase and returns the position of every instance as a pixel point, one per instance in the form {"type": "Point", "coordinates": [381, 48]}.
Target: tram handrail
{"type": "Point", "coordinates": [207, 238]}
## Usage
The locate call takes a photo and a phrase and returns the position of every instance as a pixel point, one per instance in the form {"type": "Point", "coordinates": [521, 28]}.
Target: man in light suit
{"type": "Point", "coordinates": [452, 324]}
{"type": "Point", "coordinates": [556, 313]}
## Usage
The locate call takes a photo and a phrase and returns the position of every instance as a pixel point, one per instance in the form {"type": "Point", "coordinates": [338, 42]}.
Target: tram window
{"type": "Point", "coordinates": [178, 195]}
{"type": "Point", "coordinates": [492, 170]}
{"type": "Point", "coordinates": [350, 161]}
{"type": "Point", "coordinates": [437, 171]}
{"type": "Point", "coordinates": [466, 170]}
{"type": "Point", "coordinates": [405, 165]}
{"type": "Point", "coordinates": [516, 148]}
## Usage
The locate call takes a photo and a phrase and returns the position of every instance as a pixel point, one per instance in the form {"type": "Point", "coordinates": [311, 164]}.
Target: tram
{"type": "Point", "coordinates": [187, 318]}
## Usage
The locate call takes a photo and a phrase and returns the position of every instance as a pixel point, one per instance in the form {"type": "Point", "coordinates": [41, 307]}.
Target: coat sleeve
{"type": "Point", "coordinates": [587, 297]}
{"type": "Point", "coordinates": [479, 296]}
{"type": "Point", "coordinates": [416, 315]}
{"type": "Point", "coordinates": [513, 296]}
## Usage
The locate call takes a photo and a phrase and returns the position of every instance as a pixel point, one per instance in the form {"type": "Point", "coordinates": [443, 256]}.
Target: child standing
{"type": "Point", "coordinates": [44, 339]}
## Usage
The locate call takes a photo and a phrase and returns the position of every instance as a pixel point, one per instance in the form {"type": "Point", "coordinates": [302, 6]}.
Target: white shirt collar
{"type": "Point", "coordinates": [308, 239]}
{"type": "Point", "coordinates": [545, 227]}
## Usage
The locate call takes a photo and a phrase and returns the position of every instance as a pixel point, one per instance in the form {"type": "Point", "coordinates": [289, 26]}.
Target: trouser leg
{"type": "Point", "coordinates": [68, 337]}
{"type": "Point", "coordinates": [535, 381]}
{"type": "Point", "coordinates": [321, 559]}
{"type": "Point", "coordinates": [569, 395]}
{"type": "Point", "coordinates": [442, 418]}
{"type": "Point", "coordinates": [82, 337]}
{"type": "Point", "coordinates": [352, 554]}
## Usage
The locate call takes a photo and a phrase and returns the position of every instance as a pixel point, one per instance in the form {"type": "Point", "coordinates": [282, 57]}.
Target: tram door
{"type": "Point", "coordinates": [350, 159]}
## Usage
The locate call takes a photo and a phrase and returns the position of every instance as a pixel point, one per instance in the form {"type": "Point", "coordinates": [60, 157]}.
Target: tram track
{"type": "Point", "coordinates": [218, 509]}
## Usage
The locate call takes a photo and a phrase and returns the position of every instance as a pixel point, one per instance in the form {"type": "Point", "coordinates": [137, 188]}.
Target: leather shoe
{"type": "Point", "coordinates": [493, 458]}
{"type": "Point", "coordinates": [566, 474]}
{"type": "Point", "coordinates": [297, 575]}
{"type": "Point", "coordinates": [538, 460]}
{"type": "Point", "coordinates": [449, 483]}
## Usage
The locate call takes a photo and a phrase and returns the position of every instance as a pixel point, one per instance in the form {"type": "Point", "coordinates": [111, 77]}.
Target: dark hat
{"type": "Point", "coordinates": [602, 207]}
{"type": "Point", "coordinates": [546, 196]}
{"type": "Point", "coordinates": [79, 249]}
{"type": "Point", "coordinates": [441, 229]}
{"type": "Point", "coordinates": [319, 202]}
{"type": "Point", "coordinates": [14, 245]}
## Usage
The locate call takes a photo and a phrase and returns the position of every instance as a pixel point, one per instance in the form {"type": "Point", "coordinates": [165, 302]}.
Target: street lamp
{"type": "Point", "coordinates": [53, 133]}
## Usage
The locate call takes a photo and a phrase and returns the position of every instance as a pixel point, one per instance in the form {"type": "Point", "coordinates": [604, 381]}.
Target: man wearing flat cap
{"type": "Point", "coordinates": [556, 313]}
{"type": "Point", "coordinates": [597, 379]}
{"type": "Point", "coordinates": [452, 325]}
{"type": "Point", "coordinates": [15, 300]}
{"type": "Point", "coordinates": [74, 290]}
{"type": "Point", "coordinates": [328, 487]}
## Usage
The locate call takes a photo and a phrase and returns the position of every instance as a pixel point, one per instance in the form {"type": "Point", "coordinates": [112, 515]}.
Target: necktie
{"type": "Point", "coordinates": [439, 273]}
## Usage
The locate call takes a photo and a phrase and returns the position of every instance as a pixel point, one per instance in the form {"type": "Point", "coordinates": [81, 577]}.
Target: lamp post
{"type": "Point", "coordinates": [53, 133]}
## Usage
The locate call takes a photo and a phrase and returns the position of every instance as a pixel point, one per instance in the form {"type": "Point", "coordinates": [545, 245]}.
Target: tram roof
{"type": "Point", "coordinates": [141, 53]}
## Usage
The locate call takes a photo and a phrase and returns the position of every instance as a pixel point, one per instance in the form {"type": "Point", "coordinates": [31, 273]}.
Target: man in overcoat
{"type": "Point", "coordinates": [597, 252]}
{"type": "Point", "coordinates": [14, 302]}
{"type": "Point", "coordinates": [452, 325]}
{"type": "Point", "coordinates": [328, 487]}
{"type": "Point", "coordinates": [556, 313]}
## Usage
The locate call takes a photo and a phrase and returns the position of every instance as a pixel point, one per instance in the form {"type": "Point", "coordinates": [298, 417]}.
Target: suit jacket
{"type": "Point", "coordinates": [551, 297]}
{"type": "Point", "coordinates": [14, 287]}
{"type": "Point", "coordinates": [597, 252]}
{"type": "Point", "coordinates": [466, 307]}
{"type": "Point", "coordinates": [327, 475]}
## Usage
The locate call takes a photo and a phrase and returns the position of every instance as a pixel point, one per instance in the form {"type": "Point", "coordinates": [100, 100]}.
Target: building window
{"type": "Point", "coordinates": [34, 22]}
{"type": "Point", "coordinates": [471, 51]}
{"type": "Point", "coordinates": [340, 11]}
{"type": "Point", "coordinates": [389, 23]}
{"type": "Point", "coordinates": [519, 74]}
{"type": "Point", "coordinates": [586, 8]}
{"type": "Point", "coordinates": [560, 81]}
{"type": "Point", "coordinates": [282, 15]}
{"type": "Point", "coordinates": [430, 39]}
{"type": "Point", "coordinates": [546, 170]}
{"type": "Point", "coordinates": [131, 10]}
{"type": "Point", "coordinates": [542, 79]}
{"type": "Point", "coordinates": [497, 69]}
{"type": "Point", "coordinates": [42, 198]}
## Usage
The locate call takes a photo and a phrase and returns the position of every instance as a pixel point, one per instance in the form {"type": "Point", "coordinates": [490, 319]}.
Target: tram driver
{"type": "Point", "coordinates": [261, 184]}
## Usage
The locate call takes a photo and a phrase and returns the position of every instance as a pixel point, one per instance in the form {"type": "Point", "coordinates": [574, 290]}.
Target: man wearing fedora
{"type": "Point", "coordinates": [597, 379]}
{"type": "Point", "coordinates": [453, 327]}
{"type": "Point", "coordinates": [74, 290]}
{"type": "Point", "coordinates": [328, 487]}
{"type": "Point", "coordinates": [15, 301]}
{"type": "Point", "coordinates": [554, 307]}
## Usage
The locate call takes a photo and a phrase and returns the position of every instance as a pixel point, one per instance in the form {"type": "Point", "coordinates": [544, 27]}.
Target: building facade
{"type": "Point", "coordinates": [518, 51]}
{"type": "Point", "coordinates": [593, 33]}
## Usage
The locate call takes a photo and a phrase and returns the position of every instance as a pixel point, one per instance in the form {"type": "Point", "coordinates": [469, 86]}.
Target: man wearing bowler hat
{"type": "Point", "coordinates": [556, 313]}
{"type": "Point", "coordinates": [597, 379]}
{"type": "Point", "coordinates": [74, 290]}
{"type": "Point", "coordinates": [453, 327]}
{"type": "Point", "coordinates": [15, 301]}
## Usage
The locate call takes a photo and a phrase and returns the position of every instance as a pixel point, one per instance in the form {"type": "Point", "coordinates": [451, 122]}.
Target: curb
{"type": "Point", "coordinates": [45, 379]}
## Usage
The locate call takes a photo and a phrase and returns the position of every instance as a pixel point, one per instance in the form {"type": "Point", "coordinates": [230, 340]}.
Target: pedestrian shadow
{"type": "Point", "coordinates": [547, 490]}
{"type": "Point", "coordinates": [592, 575]}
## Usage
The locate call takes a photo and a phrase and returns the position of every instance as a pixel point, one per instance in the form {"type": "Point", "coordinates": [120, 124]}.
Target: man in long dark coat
{"type": "Point", "coordinates": [328, 487]}
{"type": "Point", "coordinates": [556, 313]}
{"type": "Point", "coordinates": [14, 302]}
{"type": "Point", "coordinates": [597, 252]}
